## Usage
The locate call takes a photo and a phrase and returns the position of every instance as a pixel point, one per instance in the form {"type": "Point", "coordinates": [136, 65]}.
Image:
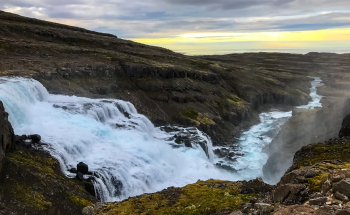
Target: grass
{"type": "Point", "coordinates": [194, 199]}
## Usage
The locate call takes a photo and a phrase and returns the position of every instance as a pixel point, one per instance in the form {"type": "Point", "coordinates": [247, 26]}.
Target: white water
{"type": "Point", "coordinates": [253, 142]}
{"type": "Point", "coordinates": [134, 157]}
{"type": "Point", "coordinates": [132, 160]}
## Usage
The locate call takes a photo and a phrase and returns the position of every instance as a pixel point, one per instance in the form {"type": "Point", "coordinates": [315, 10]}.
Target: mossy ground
{"type": "Point", "coordinates": [203, 197]}
{"type": "Point", "coordinates": [197, 117]}
{"type": "Point", "coordinates": [32, 183]}
{"type": "Point", "coordinates": [320, 156]}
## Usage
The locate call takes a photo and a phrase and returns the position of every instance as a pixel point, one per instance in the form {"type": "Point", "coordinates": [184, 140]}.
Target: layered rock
{"type": "Point", "coordinates": [7, 136]}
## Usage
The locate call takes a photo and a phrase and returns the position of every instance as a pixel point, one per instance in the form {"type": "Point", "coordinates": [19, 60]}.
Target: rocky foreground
{"type": "Point", "coordinates": [318, 182]}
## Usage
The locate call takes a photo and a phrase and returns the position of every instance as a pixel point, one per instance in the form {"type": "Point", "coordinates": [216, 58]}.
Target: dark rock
{"type": "Point", "coordinates": [342, 187]}
{"type": "Point", "coordinates": [24, 137]}
{"type": "Point", "coordinates": [341, 197]}
{"type": "Point", "coordinates": [83, 168]}
{"type": "Point", "coordinates": [80, 176]}
{"type": "Point", "coordinates": [255, 186]}
{"type": "Point", "coordinates": [7, 136]}
{"type": "Point", "coordinates": [73, 170]}
{"type": "Point", "coordinates": [159, 122]}
{"type": "Point", "coordinates": [89, 187]}
{"type": "Point", "coordinates": [188, 143]}
{"type": "Point", "coordinates": [345, 127]}
{"type": "Point", "coordinates": [35, 138]}
{"type": "Point", "coordinates": [291, 194]}
{"type": "Point", "coordinates": [318, 201]}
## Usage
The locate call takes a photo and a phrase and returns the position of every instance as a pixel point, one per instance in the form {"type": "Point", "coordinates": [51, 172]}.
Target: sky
{"type": "Point", "coordinates": [197, 27]}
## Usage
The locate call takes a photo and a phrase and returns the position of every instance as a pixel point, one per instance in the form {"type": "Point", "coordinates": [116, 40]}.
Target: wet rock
{"type": "Point", "coordinates": [342, 187]}
{"type": "Point", "coordinates": [80, 176]}
{"type": "Point", "coordinates": [35, 138]}
{"type": "Point", "coordinates": [83, 168]}
{"type": "Point", "coordinates": [341, 197]}
{"type": "Point", "coordinates": [73, 170]}
{"type": "Point", "coordinates": [89, 187]}
{"type": "Point", "coordinates": [318, 201]}
{"type": "Point", "coordinates": [291, 194]}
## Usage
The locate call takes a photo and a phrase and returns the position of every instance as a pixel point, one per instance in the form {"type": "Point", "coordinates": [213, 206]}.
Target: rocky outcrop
{"type": "Point", "coordinates": [6, 134]}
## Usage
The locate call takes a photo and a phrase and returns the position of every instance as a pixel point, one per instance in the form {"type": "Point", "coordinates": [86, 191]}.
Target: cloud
{"type": "Point", "coordinates": [170, 18]}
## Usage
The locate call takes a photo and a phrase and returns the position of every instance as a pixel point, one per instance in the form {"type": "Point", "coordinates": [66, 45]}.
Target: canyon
{"type": "Point", "coordinates": [191, 105]}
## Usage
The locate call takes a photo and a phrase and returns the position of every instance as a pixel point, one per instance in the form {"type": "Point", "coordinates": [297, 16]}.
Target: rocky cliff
{"type": "Point", "coordinates": [7, 135]}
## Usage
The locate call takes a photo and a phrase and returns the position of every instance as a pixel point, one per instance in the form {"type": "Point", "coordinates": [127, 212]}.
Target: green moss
{"type": "Point", "coordinates": [80, 201]}
{"type": "Point", "coordinates": [190, 113]}
{"type": "Point", "coordinates": [235, 100]}
{"type": "Point", "coordinates": [315, 182]}
{"type": "Point", "coordinates": [322, 152]}
{"type": "Point", "coordinates": [195, 199]}
{"type": "Point", "coordinates": [40, 163]}
{"type": "Point", "coordinates": [29, 198]}
{"type": "Point", "coordinates": [197, 117]}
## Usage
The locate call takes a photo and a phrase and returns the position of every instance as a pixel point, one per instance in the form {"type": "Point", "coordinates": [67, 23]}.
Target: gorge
{"type": "Point", "coordinates": [145, 119]}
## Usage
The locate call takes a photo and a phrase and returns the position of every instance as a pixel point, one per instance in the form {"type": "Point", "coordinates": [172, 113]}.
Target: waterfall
{"type": "Point", "coordinates": [128, 155]}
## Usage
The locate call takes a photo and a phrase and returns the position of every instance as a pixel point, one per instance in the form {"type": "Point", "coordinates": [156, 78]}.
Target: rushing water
{"type": "Point", "coordinates": [126, 152]}
{"type": "Point", "coordinates": [252, 142]}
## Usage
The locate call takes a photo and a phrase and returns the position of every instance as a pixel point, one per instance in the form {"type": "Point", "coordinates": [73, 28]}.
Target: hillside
{"type": "Point", "coordinates": [225, 93]}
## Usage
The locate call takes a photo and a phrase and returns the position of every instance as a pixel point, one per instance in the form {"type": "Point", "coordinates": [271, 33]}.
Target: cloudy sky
{"type": "Point", "coordinates": [206, 26]}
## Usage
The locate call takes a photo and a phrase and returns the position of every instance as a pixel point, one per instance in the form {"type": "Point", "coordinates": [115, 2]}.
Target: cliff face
{"type": "Point", "coordinates": [6, 134]}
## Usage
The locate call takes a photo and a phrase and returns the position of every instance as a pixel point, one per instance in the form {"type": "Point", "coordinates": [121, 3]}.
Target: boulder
{"type": "Point", "coordinates": [341, 197]}
{"type": "Point", "coordinates": [338, 175]}
{"type": "Point", "coordinates": [35, 138]}
{"type": "Point", "coordinates": [342, 187]}
{"type": "Point", "coordinates": [291, 194]}
{"type": "Point", "coordinates": [91, 210]}
{"type": "Point", "coordinates": [298, 176]}
{"type": "Point", "coordinates": [263, 207]}
{"type": "Point", "coordinates": [73, 170]}
{"type": "Point", "coordinates": [318, 201]}
{"type": "Point", "coordinates": [255, 186]}
{"type": "Point", "coordinates": [83, 168]}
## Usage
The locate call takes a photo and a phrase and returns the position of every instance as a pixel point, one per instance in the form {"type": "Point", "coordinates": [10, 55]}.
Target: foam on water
{"type": "Point", "coordinates": [129, 155]}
